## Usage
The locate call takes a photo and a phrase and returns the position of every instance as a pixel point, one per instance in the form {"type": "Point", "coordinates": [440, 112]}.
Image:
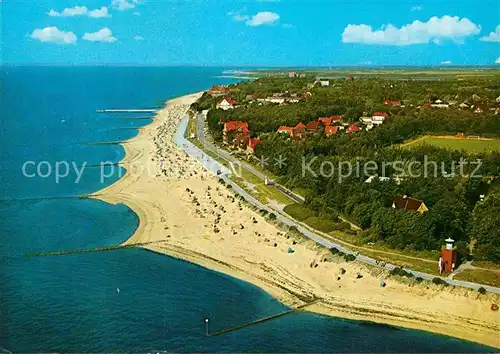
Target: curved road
{"type": "Point", "coordinates": [213, 166]}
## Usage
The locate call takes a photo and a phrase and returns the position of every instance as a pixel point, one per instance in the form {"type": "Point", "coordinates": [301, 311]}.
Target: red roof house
{"type": "Point", "coordinates": [331, 130]}
{"type": "Point", "coordinates": [241, 141]}
{"type": "Point", "coordinates": [295, 133]}
{"type": "Point", "coordinates": [232, 127]}
{"type": "Point", "coordinates": [253, 144]}
{"type": "Point", "coordinates": [218, 90]}
{"type": "Point", "coordinates": [300, 126]}
{"type": "Point", "coordinates": [326, 121]}
{"type": "Point", "coordinates": [329, 120]}
{"type": "Point", "coordinates": [352, 129]}
{"type": "Point", "coordinates": [379, 114]}
{"type": "Point", "coordinates": [298, 134]}
{"type": "Point", "coordinates": [407, 203]}
{"type": "Point", "coordinates": [313, 126]}
{"type": "Point", "coordinates": [393, 103]}
{"type": "Point", "coordinates": [285, 129]}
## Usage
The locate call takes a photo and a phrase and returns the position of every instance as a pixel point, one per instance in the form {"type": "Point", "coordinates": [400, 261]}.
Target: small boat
{"type": "Point", "coordinates": [117, 290]}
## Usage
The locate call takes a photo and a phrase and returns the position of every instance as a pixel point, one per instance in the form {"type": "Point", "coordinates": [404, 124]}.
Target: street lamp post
{"type": "Point", "coordinates": [206, 326]}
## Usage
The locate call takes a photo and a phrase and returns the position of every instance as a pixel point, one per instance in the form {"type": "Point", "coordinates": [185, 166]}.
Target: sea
{"type": "Point", "coordinates": [128, 300]}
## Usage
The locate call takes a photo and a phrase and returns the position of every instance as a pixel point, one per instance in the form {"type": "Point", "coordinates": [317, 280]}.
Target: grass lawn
{"type": "Point", "coordinates": [303, 192]}
{"type": "Point", "coordinates": [480, 276]}
{"type": "Point", "coordinates": [424, 261]}
{"type": "Point", "coordinates": [262, 192]}
{"type": "Point", "coordinates": [487, 264]}
{"type": "Point", "coordinates": [299, 211]}
{"type": "Point", "coordinates": [456, 143]}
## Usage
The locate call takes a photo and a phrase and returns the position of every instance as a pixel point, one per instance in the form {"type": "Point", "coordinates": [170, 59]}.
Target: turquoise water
{"type": "Point", "coordinates": [70, 303]}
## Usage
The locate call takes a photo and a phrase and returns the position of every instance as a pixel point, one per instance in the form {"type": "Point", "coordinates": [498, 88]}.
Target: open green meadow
{"type": "Point", "coordinates": [457, 143]}
{"type": "Point", "coordinates": [403, 73]}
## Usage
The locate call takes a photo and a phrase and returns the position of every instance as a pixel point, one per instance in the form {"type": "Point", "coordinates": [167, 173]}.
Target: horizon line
{"type": "Point", "coordinates": [258, 66]}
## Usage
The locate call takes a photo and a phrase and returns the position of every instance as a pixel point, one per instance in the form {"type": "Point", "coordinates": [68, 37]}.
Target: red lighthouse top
{"type": "Point", "coordinates": [448, 259]}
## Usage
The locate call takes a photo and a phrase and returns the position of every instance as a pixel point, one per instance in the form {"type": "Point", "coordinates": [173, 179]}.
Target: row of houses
{"type": "Point", "coordinates": [329, 124]}
{"type": "Point", "coordinates": [376, 118]}
{"type": "Point", "coordinates": [237, 134]}
{"type": "Point", "coordinates": [392, 103]}
{"type": "Point", "coordinates": [292, 74]}
{"type": "Point", "coordinates": [277, 98]}
{"type": "Point", "coordinates": [222, 90]}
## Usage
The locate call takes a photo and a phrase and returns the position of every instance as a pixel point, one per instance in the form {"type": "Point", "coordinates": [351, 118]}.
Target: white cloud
{"type": "Point", "coordinates": [104, 35]}
{"type": "Point", "coordinates": [446, 62]}
{"type": "Point", "coordinates": [497, 61]}
{"type": "Point", "coordinates": [493, 36]}
{"type": "Point", "coordinates": [123, 5]}
{"type": "Point", "coordinates": [287, 25]}
{"type": "Point", "coordinates": [53, 35]}
{"type": "Point", "coordinates": [417, 8]}
{"type": "Point", "coordinates": [263, 18]}
{"type": "Point", "coordinates": [80, 11]}
{"type": "Point", "coordinates": [435, 29]}
{"type": "Point", "coordinates": [98, 13]}
{"type": "Point", "coordinates": [138, 38]}
{"type": "Point", "coordinates": [53, 13]}
{"type": "Point", "coordinates": [69, 12]}
{"type": "Point", "coordinates": [137, 13]}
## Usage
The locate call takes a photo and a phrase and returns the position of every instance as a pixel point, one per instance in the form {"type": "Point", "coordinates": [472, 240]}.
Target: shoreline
{"type": "Point", "coordinates": [184, 226]}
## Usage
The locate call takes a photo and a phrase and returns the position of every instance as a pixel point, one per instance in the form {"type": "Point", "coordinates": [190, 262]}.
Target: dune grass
{"type": "Point", "coordinates": [480, 276]}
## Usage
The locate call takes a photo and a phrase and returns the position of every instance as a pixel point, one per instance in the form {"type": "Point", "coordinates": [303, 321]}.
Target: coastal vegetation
{"type": "Point", "coordinates": [460, 191]}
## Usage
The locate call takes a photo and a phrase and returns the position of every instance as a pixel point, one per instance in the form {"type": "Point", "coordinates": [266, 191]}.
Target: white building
{"type": "Point", "coordinates": [440, 104]}
{"type": "Point", "coordinates": [226, 103]}
{"type": "Point", "coordinates": [378, 118]}
{"type": "Point", "coordinates": [366, 120]}
{"type": "Point", "coordinates": [275, 99]}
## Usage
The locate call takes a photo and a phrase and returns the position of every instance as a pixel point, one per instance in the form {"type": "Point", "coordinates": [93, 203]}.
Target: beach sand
{"type": "Point", "coordinates": [195, 218]}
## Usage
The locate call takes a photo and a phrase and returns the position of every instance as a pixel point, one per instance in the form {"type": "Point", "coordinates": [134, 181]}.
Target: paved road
{"type": "Point", "coordinates": [227, 156]}
{"type": "Point", "coordinates": [212, 165]}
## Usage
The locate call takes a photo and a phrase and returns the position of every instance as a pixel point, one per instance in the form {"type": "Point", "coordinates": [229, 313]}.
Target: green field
{"type": "Point", "coordinates": [408, 73]}
{"type": "Point", "coordinates": [456, 143]}
{"type": "Point", "coordinates": [480, 276]}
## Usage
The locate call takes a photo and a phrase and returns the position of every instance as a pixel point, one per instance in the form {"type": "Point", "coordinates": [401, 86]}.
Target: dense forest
{"type": "Point", "coordinates": [464, 206]}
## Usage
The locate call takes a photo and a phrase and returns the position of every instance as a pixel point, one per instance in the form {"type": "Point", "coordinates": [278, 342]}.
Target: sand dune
{"type": "Point", "coordinates": [195, 218]}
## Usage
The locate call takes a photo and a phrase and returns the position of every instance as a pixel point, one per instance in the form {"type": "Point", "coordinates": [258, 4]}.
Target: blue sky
{"type": "Point", "coordinates": [256, 32]}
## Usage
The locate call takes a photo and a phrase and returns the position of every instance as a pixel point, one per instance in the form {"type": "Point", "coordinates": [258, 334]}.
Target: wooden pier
{"type": "Point", "coordinates": [126, 111]}
{"type": "Point", "coordinates": [265, 319]}
{"type": "Point", "coordinates": [89, 250]}
{"type": "Point", "coordinates": [117, 142]}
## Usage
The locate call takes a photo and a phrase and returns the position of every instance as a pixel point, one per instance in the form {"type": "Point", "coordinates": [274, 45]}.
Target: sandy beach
{"type": "Point", "coordinates": [195, 218]}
